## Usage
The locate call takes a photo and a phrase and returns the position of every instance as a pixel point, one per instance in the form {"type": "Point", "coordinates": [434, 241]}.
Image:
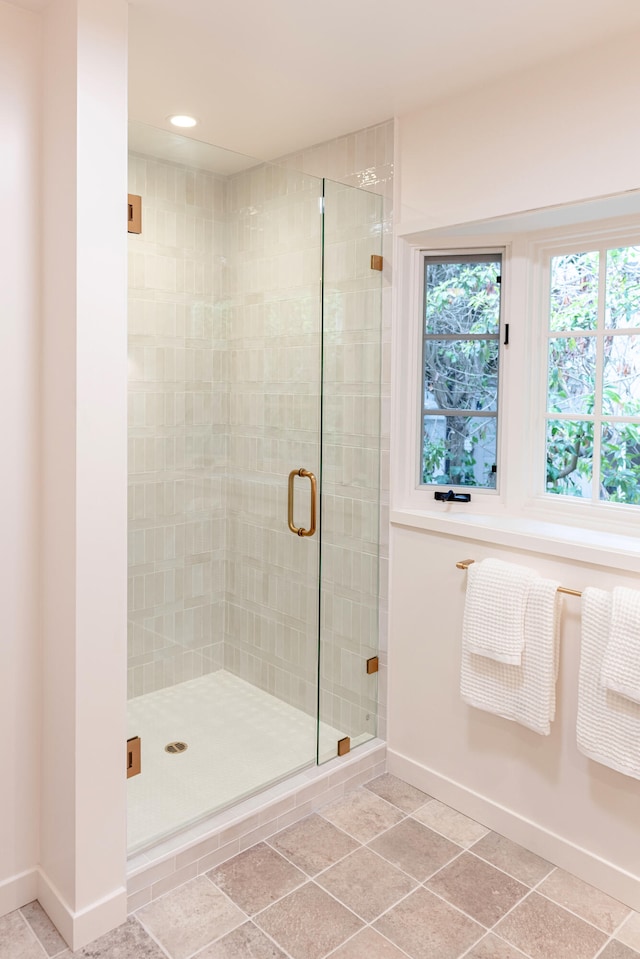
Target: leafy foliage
{"type": "Point", "coordinates": [573, 377]}
{"type": "Point", "coordinates": [462, 305]}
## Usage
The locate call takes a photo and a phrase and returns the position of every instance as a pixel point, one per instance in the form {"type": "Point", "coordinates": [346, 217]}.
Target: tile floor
{"type": "Point", "coordinates": [385, 873]}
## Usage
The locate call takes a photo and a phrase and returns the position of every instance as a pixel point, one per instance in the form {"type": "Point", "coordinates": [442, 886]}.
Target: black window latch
{"type": "Point", "coordinates": [451, 497]}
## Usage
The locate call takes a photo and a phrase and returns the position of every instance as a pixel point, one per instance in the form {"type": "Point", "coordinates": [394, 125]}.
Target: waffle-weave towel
{"type": "Point", "coordinates": [525, 693]}
{"type": "Point", "coordinates": [608, 726]}
{"type": "Point", "coordinates": [621, 661]}
{"type": "Point", "coordinates": [494, 610]}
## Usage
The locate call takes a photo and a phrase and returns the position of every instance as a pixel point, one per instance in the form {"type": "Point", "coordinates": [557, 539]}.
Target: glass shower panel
{"type": "Point", "coordinates": [224, 356]}
{"type": "Point", "coordinates": [352, 311]}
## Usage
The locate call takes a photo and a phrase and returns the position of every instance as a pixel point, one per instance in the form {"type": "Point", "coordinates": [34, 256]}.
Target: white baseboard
{"type": "Point", "coordinates": [605, 875]}
{"type": "Point", "coordinates": [18, 891]}
{"type": "Point", "coordinates": [82, 927]}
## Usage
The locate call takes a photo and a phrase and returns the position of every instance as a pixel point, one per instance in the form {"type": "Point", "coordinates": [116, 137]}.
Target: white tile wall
{"type": "Point", "coordinates": [178, 422]}
{"type": "Point", "coordinates": [225, 290]}
{"type": "Point", "coordinates": [274, 345]}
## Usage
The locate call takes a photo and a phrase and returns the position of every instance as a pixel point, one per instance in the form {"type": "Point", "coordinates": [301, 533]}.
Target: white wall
{"type": "Point", "coordinates": [558, 133]}
{"type": "Point", "coordinates": [554, 135]}
{"type": "Point", "coordinates": [538, 790]}
{"type": "Point", "coordinates": [83, 836]}
{"type": "Point", "coordinates": [20, 44]}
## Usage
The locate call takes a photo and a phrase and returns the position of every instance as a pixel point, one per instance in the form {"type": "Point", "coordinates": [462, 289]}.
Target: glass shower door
{"type": "Point", "coordinates": [273, 339]}
{"type": "Point", "coordinates": [351, 393]}
{"type": "Point", "coordinates": [225, 382]}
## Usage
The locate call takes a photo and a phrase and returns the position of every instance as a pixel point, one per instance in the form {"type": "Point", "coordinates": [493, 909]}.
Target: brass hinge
{"type": "Point", "coordinates": [133, 756]}
{"type": "Point", "coordinates": [134, 214]}
{"type": "Point", "coordinates": [372, 664]}
{"type": "Point", "coordinates": [344, 746]}
{"type": "Point", "coordinates": [376, 262]}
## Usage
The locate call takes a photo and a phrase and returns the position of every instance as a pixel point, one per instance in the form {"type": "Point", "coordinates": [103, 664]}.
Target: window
{"type": "Point", "coordinates": [460, 361]}
{"type": "Point", "coordinates": [592, 418]}
{"type": "Point", "coordinates": [553, 434]}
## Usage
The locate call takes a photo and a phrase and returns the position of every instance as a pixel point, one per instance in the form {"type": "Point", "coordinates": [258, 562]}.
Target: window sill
{"type": "Point", "coordinates": [594, 547]}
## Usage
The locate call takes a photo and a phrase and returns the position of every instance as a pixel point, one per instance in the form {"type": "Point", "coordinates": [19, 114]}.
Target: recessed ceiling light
{"type": "Point", "coordinates": [181, 120]}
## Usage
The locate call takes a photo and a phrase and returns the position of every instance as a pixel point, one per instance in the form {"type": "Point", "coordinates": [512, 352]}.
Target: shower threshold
{"type": "Point", "coordinates": [239, 738]}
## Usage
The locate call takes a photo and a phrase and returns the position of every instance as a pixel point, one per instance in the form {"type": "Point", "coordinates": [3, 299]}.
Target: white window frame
{"type": "Point", "coordinates": [521, 495]}
{"type": "Point", "coordinates": [408, 348]}
{"type": "Point", "coordinates": [569, 510]}
{"type": "Point", "coordinates": [427, 254]}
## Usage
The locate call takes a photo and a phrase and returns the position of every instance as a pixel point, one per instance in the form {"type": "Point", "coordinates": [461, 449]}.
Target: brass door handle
{"type": "Point", "coordinates": [298, 530]}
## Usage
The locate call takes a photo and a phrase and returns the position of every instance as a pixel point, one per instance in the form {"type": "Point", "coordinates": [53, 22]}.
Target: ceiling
{"type": "Point", "coordinates": [267, 79]}
{"type": "Point", "coordinates": [171, 145]}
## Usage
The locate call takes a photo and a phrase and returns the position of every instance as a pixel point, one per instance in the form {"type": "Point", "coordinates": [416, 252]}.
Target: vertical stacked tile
{"type": "Point", "coordinates": [178, 415]}
{"type": "Point", "coordinates": [272, 295]}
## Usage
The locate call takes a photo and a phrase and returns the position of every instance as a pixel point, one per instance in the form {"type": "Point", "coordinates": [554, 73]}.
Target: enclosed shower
{"type": "Point", "coordinates": [254, 476]}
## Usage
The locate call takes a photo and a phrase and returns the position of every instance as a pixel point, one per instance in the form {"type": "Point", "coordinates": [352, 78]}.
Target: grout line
{"type": "Point", "coordinates": [152, 936]}
{"type": "Point", "coordinates": [377, 932]}
{"type": "Point", "coordinates": [259, 912]}
{"type": "Point", "coordinates": [576, 914]}
{"type": "Point", "coordinates": [471, 849]}
{"type": "Point", "coordinates": [612, 936]}
{"type": "Point", "coordinates": [271, 939]}
{"type": "Point", "coordinates": [31, 930]}
{"type": "Point", "coordinates": [525, 955]}
{"type": "Point", "coordinates": [603, 947]}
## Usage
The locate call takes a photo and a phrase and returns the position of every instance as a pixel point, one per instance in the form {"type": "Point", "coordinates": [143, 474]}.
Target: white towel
{"type": "Point", "coordinates": [621, 662]}
{"type": "Point", "coordinates": [608, 726]}
{"type": "Point", "coordinates": [493, 622]}
{"type": "Point", "coordinates": [524, 693]}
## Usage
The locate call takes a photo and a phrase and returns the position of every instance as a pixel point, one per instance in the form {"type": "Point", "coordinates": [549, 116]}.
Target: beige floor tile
{"type": "Point", "coordinates": [426, 927]}
{"type": "Point", "coordinates": [491, 947]}
{"type": "Point", "coordinates": [395, 791]}
{"type": "Point", "coordinates": [629, 934]}
{"type": "Point", "coordinates": [616, 950]}
{"type": "Point", "coordinates": [414, 848]}
{"type": "Point", "coordinates": [482, 891]}
{"type": "Point", "coordinates": [543, 930]}
{"type": "Point", "coordinates": [46, 932]}
{"type": "Point", "coordinates": [368, 944]}
{"type": "Point", "coordinates": [245, 942]}
{"type": "Point", "coordinates": [190, 917]}
{"type": "Point", "coordinates": [589, 903]}
{"type": "Point", "coordinates": [313, 844]}
{"type": "Point", "coordinates": [257, 877]}
{"type": "Point", "coordinates": [362, 814]}
{"type": "Point", "coordinates": [450, 823]}
{"type": "Point", "coordinates": [514, 859]}
{"type": "Point", "coordinates": [366, 883]}
{"type": "Point", "coordinates": [128, 940]}
{"type": "Point", "coordinates": [17, 940]}
{"type": "Point", "coordinates": [308, 923]}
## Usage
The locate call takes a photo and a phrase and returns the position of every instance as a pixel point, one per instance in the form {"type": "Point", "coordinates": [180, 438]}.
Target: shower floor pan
{"type": "Point", "coordinates": [239, 740]}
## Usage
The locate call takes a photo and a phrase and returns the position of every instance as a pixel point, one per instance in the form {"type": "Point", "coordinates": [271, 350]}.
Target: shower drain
{"type": "Point", "coordinates": [176, 747]}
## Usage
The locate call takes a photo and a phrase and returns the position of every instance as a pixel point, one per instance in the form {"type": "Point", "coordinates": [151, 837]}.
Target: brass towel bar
{"type": "Point", "coordinates": [466, 563]}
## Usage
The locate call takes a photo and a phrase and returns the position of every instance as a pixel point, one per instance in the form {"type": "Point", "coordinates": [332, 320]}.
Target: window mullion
{"type": "Point", "coordinates": [599, 378]}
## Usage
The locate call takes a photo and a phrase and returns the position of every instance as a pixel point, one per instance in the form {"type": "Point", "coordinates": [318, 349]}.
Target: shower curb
{"type": "Point", "coordinates": [211, 842]}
